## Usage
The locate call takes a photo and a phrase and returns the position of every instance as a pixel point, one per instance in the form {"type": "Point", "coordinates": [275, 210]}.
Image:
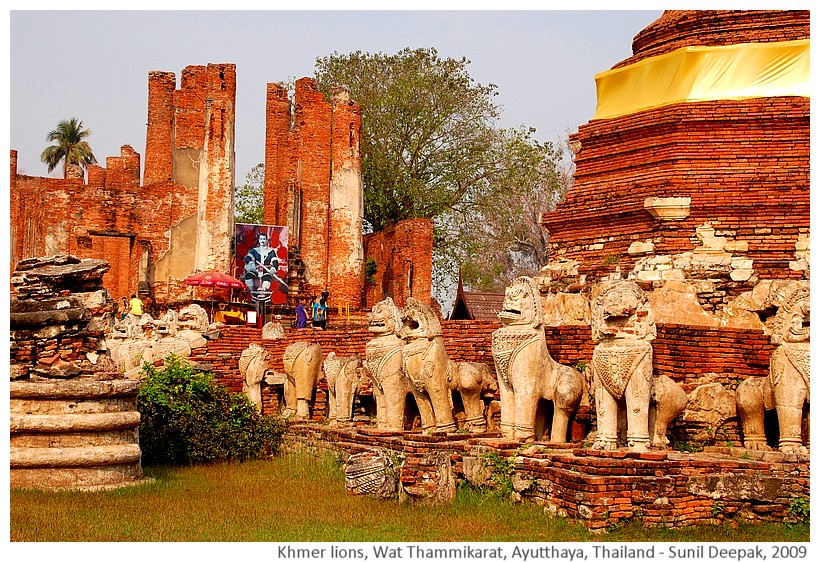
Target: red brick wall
{"type": "Point", "coordinates": [683, 28]}
{"type": "Point", "coordinates": [345, 251]}
{"type": "Point", "coordinates": [160, 131]}
{"type": "Point", "coordinates": [115, 218]}
{"type": "Point", "coordinates": [689, 355]}
{"type": "Point", "coordinates": [745, 165]}
{"type": "Point", "coordinates": [404, 260]}
{"type": "Point", "coordinates": [279, 159]}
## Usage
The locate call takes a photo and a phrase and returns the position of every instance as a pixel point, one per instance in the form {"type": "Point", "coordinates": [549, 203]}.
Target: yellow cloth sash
{"type": "Point", "coordinates": [747, 70]}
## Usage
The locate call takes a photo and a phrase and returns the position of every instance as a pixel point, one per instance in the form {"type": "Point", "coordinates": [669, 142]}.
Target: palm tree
{"type": "Point", "coordinates": [70, 147]}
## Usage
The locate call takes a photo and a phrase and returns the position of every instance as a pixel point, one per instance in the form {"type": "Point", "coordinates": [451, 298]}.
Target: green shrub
{"type": "Point", "coordinates": [187, 418]}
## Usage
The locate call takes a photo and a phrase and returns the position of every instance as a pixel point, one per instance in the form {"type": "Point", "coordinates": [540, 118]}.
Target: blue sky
{"type": "Point", "coordinates": [543, 63]}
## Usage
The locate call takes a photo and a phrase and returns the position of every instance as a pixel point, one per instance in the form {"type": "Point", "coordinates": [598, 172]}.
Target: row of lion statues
{"type": "Point", "coordinates": [407, 357]}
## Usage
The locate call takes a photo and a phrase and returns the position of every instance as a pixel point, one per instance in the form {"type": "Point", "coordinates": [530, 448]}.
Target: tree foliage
{"type": "Point", "coordinates": [432, 148]}
{"type": "Point", "coordinates": [71, 147]}
{"type": "Point", "coordinates": [249, 198]}
{"type": "Point", "coordinates": [427, 129]}
{"type": "Point", "coordinates": [187, 418]}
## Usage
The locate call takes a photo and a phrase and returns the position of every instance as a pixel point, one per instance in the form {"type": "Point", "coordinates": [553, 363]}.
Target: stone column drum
{"type": "Point", "coordinates": [77, 434]}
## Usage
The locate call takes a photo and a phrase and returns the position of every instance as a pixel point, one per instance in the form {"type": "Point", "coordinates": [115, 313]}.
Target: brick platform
{"type": "Point", "coordinates": [599, 489]}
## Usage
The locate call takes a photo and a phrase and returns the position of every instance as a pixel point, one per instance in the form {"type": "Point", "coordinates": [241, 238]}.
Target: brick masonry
{"type": "Point", "coordinates": [690, 355]}
{"type": "Point", "coordinates": [138, 228]}
{"type": "Point", "coordinates": [597, 489]}
{"type": "Point", "coordinates": [744, 163]}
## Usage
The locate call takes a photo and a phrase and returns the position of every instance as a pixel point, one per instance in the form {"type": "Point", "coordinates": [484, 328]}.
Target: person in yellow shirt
{"type": "Point", "coordinates": [136, 307]}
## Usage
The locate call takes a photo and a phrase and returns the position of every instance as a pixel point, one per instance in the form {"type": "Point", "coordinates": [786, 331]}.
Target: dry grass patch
{"type": "Point", "coordinates": [294, 498]}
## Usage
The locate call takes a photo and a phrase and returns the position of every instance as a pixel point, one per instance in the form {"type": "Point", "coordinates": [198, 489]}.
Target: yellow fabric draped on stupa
{"type": "Point", "coordinates": [691, 74]}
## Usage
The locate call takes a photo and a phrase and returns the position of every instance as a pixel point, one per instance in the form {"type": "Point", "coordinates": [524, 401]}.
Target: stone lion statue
{"type": "Point", "coordinates": [787, 387]}
{"type": "Point", "coordinates": [623, 324]}
{"type": "Point", "coordinates": [383, 360]}
{"type": "Point", "coordinates": [433, 375]}
{"type": "Point", "coordinates": [193, 317]}
{"type": "Point", "coordinates": [253, 366]}
{"type": "Point", "coordinates": [303, 367]}
{"type": "Point", "coordinates": [527, 372]}
{"type": "Point", "coordinates": [342, 375]}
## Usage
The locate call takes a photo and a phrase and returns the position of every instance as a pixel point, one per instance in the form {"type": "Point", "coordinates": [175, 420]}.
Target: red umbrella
{"type": "Point", "coordinates": [214, 279]}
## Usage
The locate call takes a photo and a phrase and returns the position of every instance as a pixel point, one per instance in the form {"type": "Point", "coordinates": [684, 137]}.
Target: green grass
{"type": "Point", "coordinates": [296, 498]}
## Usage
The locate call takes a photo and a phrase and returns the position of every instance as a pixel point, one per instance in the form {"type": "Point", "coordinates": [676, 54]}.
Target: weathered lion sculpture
{"type": "Point", "coordinates": [624, 327]}
{"type": "Point", "coordinates": [786, 389]}
{"type": "Point", "coordinates": [342, 375]}
{"type": "Point", "coordinates": [526, 370]}
{"type": "Point", "coordinates": [433, 375]}
{"type": "Point", "coordinates": [383, 360]}
{"type": "Point", "coordinates": [303, 367]}
{"type": "Point", "coordinates": [253, 366]}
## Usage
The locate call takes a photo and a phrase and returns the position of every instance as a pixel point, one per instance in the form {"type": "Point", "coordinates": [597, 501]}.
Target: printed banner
{"type": "Point", "coordinates": [262, 261]}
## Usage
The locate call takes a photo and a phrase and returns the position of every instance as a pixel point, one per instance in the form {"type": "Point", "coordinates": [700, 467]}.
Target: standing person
{"type": "Point", "coordinates": [125, 309]}
{"type": "Point", "coordinates": [320, 314]}
{"type": "Point", "coordinates": [301, 315]}
{"type": "Point", "coordinates": [136, 307]}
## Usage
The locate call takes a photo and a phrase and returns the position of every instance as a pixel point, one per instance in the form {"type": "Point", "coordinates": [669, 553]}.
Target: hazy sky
{"type": "Point", "coordinates": [93, 65]}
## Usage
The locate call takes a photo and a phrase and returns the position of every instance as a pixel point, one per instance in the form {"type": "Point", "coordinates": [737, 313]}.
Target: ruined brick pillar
{"type": "Point", "coordinates": [14, 211]}
{"type": "Point", "coordinates": [278, 204]}
{"type": "Point", "coordinates": [312, 130]}
{"type": "Point", "coordinates": [345, 250]}
{"type": "Point", "coordinates": [122, 171]}
{"type": "Point", "coordinates": [159, 136]}
{"type": "Point", "coordinates": [215, 224]}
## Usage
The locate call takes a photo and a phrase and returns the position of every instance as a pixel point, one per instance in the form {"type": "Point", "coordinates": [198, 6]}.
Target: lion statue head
{"type": "Point", "coordinates": [522, 304]}
{"type": "Point", "coordinates": [419, 321]}
{"type": "Point", "coordinates": [385, 318]}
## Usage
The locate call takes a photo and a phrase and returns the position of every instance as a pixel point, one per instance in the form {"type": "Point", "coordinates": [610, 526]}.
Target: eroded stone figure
{"type": "Point", "coordinates": [342, 374]}
{"type": "Point", "coordinates": [433, 375]}
{"type": "Point", "coordinates": [786, 389]}
{"type": "Point", "coordinates": [167, 325]}
{"type": "Point", "coordinates": [526, 371]}
{"type": "Point", "coordinates": [193, 317]}
{"type": "Point", "coordinates": [383, 360]}
{"type": "Point", "coordinates": [623, 326]}
{"type": "Point", "coordinates": [303, 367]}
{"type": "Point", "coordinates": [253, 366]}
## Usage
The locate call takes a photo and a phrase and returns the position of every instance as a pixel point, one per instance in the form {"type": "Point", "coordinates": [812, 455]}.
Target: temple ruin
{"type": "Point", "coordinates": [679, 274]}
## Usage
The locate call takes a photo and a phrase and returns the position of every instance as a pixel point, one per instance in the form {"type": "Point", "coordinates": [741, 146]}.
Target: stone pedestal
{"type": "Point", "coordinates": [78, 434]}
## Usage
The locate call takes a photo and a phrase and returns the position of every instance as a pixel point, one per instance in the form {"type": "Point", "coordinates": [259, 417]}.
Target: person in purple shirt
{"type": "Point", "coordinates": [301, 315]}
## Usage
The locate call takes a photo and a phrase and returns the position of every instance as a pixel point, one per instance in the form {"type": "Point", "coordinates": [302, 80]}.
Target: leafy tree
{"type": "Point", "coordinates": [71, 147]}
{"type": "Point", "coordinates": [249, 197]}
{"type": "Point", "coordinates": [432, 148]}
{"type": "Point", "coordinates": [495, 234]}
{"type": "Point", "coordinates": [427, 129]}
{"type": "Point", "coordinates": [187, 418]}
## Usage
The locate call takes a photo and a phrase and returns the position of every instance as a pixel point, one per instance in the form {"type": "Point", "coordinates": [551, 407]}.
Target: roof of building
{"type": "Point", "coordinates": [476, 305]}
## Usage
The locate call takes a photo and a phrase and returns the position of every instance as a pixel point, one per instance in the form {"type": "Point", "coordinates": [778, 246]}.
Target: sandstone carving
{"type": "Point", "coordinates": [273, 331]}
{"type": "Point", "coordinates": [433, 375]}
{"type": "Point", "coordinates": [167, 325]}
{"type": "Point", "coordinates": [786, 389]}
{"type": "Point", "coordinates": [253, 366]}
{"type": "Point", "coordinates": [193, 317]}
{"type": "Point", "coordinates": [623, 324]}
{"type": "Point", "coordinates": [303, 367]}
{"type": "Point", "coordinates": [373, 473]}
{"type": "Point", "coordinates": [526, 371]}
{"type": "Point", "coordinates": [383, 360]}
{"type": "Point", "coordinates": [342, 375]}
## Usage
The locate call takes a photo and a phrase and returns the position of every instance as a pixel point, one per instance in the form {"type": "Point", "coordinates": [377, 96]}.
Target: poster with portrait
{"type": "Point", "coordinates": [262, 261]}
